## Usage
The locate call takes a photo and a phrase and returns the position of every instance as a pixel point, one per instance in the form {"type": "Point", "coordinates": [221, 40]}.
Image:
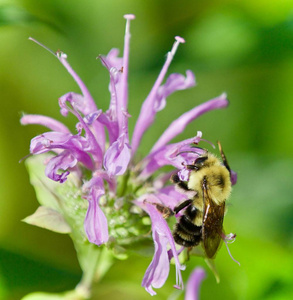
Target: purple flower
{"type": "Point", "coordinates": [158, 270]}
{"type": "Point", "coordinates": [113, 185]}
{"type": "Point", "coordinates": [95, 224]}
{"type": "Point", "coordinates": [194, 281]}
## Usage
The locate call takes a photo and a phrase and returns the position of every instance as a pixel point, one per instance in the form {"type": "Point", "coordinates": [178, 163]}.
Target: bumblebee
{"type": "Point", "coordinates": [202, 220]}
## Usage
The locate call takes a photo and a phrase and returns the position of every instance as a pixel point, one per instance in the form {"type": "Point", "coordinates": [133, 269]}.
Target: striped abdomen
{"type": "Point", "coordinates": [187, 232]}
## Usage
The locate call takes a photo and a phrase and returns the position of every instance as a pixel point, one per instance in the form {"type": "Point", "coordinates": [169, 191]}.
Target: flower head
{"type": "Point", "coordinates": [120, 194]}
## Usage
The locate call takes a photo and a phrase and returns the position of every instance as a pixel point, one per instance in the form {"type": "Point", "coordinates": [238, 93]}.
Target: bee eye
{"type": "Point", "coordinates": [200, 160]}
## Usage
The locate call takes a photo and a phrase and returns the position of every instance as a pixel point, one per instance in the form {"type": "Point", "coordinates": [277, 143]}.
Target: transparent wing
{"type": "Point", "coordinates": [212, 225]}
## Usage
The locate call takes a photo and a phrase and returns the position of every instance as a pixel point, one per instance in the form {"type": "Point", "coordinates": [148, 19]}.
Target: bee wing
{"type": "Point", "coordinates": [212, 225]}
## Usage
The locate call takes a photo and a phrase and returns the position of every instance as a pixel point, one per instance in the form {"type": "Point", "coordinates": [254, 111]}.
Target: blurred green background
{"type": "Point", "coordinates": [241, 47]}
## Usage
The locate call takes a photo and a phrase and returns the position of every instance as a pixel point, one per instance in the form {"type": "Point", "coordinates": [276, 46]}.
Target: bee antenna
{"type": "Point", "coordinates": [208, 143]}
{"type": "Point", "coordinates": [188, 152]}
{"type": "Point", "coordinates": [224, 159]}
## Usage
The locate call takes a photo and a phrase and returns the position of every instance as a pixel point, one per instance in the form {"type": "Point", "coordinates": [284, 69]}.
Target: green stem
{"type": "Point", "coordinates": [89, 263]}
{"type": "Point", "coordinates": [95, 264]}
{"type": "Point", "coordinates": [106, 261]}
{"type": "Point", "coordinates": [122, 186]}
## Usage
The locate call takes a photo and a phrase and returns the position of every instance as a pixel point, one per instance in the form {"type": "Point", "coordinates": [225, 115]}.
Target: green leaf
{"type": "Point", "coordinates": [10, 15]}
{"type": "Point", "coordinates": [63, 209]}
{"type": "Point", "coordinates": [44, 187]}
{"type": "Point", "coordinates": [46, 217]}
{"type": "Point", "coordinates": [64, 198]}
{"type": "Point", "coordinates": [43, 296]}
{"type": "Point", "coordinates": [13, 15]}
{"type": "Point", "coordinates": [212, 266]}
{"type": "Point", "coordinates": [71, 295]}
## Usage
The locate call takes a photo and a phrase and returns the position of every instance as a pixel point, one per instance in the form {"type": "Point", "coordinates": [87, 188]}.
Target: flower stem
{"type": "Point", "coordinates": [88, 265]}
{"type": "Point", "coordinates": [105, 262]}
{"type": "Point", "coordinates": [95, 265]}
{"type": "Point", "coordinates": [122, 187]}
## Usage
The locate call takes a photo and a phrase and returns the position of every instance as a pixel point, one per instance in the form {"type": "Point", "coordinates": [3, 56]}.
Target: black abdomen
{"type": "Point", "coordinates": [186, 233]}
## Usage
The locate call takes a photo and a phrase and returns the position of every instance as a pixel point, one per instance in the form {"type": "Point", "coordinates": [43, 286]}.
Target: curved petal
{"type": "Point", "coordinates": [48, 122]}
{"type": "Point", "coordinates": [93, 144]}
{"type": "Point", "coordinates": [174, 82]}
{"type": "Point", "coordinates": [111, 125]}
{"type": "Point", "coordinates": [149, 106]}
{"type": "Point", "coordinates": [63, 161]}
{"type": "Point", "coordinates": [177, 155]}
{"type": "Point", "coordinates": [112, 60]}
{"type": "Point", "coordinates": [169, 196]}
{"type": "Point", "coordinates": [89, 101]}
{"type": "Point", "coordinates": [118, 69]}
{"type": "Point", "coordinates": [158, 270]}
{"type": "Point", "coordinates": [75, 144]}
{"type": "Point", "coordinates": [193, 284]}
{"type": "Point", "coordinates": [95, 223]}
{"type": "Point", "coordinates": [112, 182]}
{"type": "Point", "coordinates": [179, 125]}
{"type": "Point", "coordinates": [117, 157]}
{"type": "Point", "coordinates": [48, 141]}
{"type": "Point", "coordinates": [233, 177]}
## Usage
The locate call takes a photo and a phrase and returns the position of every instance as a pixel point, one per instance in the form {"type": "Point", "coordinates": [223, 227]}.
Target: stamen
{"type": "Point", "coordinates": [229, 239]}
{"type": "Point", "coordinates": [62, 57]}
{"type": "Point", "coordinates": [113, 103]}
{"type": "Point", "coordinates": [43, 46]}
{"type": "Point", "coordinates": [188, 151]}
{"type": "Point", "coordinates": [122, 101]}
{"type": "Point", "coordinates": [25, 157]}
{"type": "Point", "coordinates": [103, 61]}
{"type": "Point", "coordinates": [204, 140]}
{"type": "Point", "coordinates": [129, 17]}
{"type": "Point", "coordinates": [180, 39]}
{"type": "Point", "coordinates": [176, 44]}
{"type": "Point", "coordinates": [61, 54]}
{"type": "Point", "coordinates": [151, 99]}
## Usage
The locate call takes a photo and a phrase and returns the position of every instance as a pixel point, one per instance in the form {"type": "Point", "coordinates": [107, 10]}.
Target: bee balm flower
{"type": "Point", "coordinates": [120, 194]}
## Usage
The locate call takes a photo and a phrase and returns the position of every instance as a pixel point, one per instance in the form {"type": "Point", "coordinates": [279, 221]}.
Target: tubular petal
{"type": "Point", "coordinates": [193, 284]}
{"type": "Point", "coordinates": [148, 112]}
{"type": "Point", "coordinates": [63, 161]}
{"type": "Point", "coordinates": [122, 99]}
{"type": "Point", "coordinates": [95, 223]}
{"type": "Point", "coordinates": [176, 155]}
{"type": "Point", "coordinates": [55, 140]}
{"type": "Point", "coordinates": [117, 157]}
{"type": "Point", "coordinates": [48, 122]}
{"type": "Point", "coordinates": [158, 270]}
{"type": "Point", "coordinates": [179, 125]}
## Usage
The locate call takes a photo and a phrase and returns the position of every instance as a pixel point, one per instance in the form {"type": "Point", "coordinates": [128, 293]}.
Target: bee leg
{"type": "Point", "coordinates": [183, 185]}
{"type": "Point", "coordinates": [182, 205]}
{"type": "Point", "coordinates": [192, 167]}
{"type": "Point", "coordinates": [188, 253]}
{"type": "Point", "coordinates": [164, 210]}
{"type": "Point", "coordinates": [167, 211]}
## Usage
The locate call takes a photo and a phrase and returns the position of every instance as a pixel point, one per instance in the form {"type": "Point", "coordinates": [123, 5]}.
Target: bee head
{"type": "Point", "coordinates": [201, 160]}
{"type": "Point", "coordinates": [206, 160]}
